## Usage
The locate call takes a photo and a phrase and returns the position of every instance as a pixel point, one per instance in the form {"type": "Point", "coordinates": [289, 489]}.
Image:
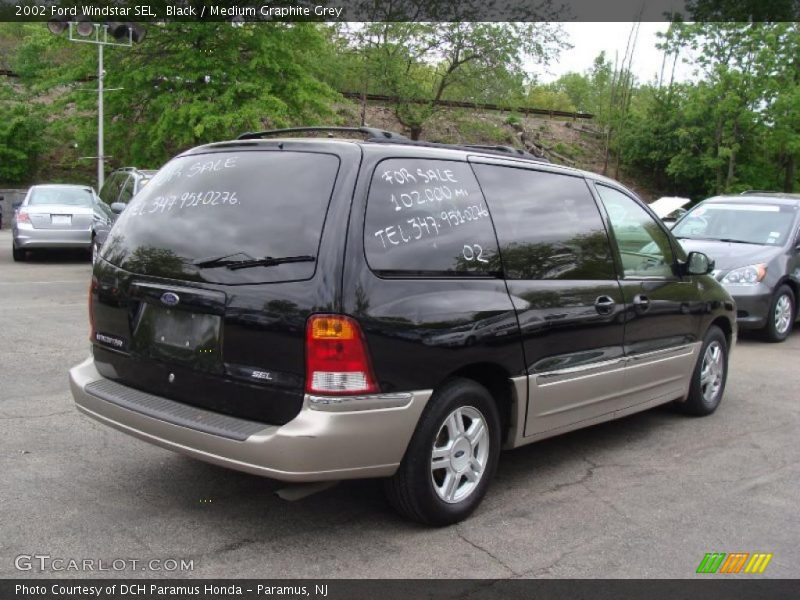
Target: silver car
{"type": "Point", "coordinates": [54, 216]}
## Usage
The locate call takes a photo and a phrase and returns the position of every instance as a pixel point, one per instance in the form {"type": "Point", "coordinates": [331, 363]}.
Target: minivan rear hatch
{"type": "Point", "coordinates": [207, 280]}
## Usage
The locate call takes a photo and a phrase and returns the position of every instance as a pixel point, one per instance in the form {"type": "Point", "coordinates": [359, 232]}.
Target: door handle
{"type": "Point", "coordinates": [604, 305]}
{"type": "Point", "coordinates": [641, 302]}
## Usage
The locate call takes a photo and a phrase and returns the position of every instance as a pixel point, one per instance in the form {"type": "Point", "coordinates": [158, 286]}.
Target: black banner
{"type": "Point", "coordinates": [399, 10]}
{"type": "Point", "coordinates": [720, 587]}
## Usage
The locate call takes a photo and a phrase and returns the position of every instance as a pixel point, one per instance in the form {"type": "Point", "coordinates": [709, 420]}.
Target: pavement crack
{"type": "Point", "coordinates": [580, 481]}
{"type": "Point", "coordinates": [24, 417]}
{"type": "Point", "coordinates": [485, 551]}
{"type": "Point", "coordinates": [548, 568]}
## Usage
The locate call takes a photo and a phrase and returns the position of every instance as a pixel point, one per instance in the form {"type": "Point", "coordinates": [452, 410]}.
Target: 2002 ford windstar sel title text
{"type": "Point", "coordinates": [323, 309]}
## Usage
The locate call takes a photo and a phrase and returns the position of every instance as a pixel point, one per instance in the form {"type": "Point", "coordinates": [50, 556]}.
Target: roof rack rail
{"type": "Point", "coordinates": [503, 149]}
{"type": "Point", "coordinates": [787, 195]}
{"type": "Point", "coordinates": [489, 149]}
{"type": "Point", "coordinates": [372, 132]}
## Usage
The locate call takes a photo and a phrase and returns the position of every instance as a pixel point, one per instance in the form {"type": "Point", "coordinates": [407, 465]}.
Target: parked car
{"type": "Point", "coordinates": [282, 306]}
{"type": "Point", "coordinates": [670, 208]}
{"type": "Point", "coordinates": [54, 216]}
{"type": "Point", "coordinates": [104, 219]}
{"type": "Point", "coordinates": [123, 184]}
{"type": "Point", "coordinates": [117, 191]}
{"type": "Point", "coordinates": [755, 242]}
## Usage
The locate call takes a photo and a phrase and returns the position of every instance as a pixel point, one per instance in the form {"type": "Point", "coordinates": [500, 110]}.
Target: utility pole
{"type": "Point", "coordinates": [101, 35]}
{"type": "Point", "coordinates": [100, 150]}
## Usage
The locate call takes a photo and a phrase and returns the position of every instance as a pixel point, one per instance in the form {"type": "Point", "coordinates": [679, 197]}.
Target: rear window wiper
{"type": "Point", "coordinates": [220, 261]}
{"type": "Point", "coordinates": [269, 261]}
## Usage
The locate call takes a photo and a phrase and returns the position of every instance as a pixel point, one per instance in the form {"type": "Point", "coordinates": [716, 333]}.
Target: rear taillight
{"type": "Point", "coordinates": [23, 216]}
{"type": "Point", "coordinates": [92, 287]}
{"type": "Point", "coordinates": [337, 361]}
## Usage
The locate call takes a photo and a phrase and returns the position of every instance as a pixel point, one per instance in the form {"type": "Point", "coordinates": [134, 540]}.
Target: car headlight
{"type": "Point", "coordinates": [749, 275]}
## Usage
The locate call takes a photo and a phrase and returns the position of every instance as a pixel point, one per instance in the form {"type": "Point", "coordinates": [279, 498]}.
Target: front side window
{"type": "Point", "coordinates": [548, 224]}
{"type": "Point", "coordinates": [428, 217]}
{"type": "Point", "coordinates": [110, 190]}
{"type": "Point", "coordinates": [127, 191]}
{"type": "Point", "coordinates": [643, 246]}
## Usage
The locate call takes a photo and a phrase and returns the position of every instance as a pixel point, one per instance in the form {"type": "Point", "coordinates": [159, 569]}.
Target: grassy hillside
{"type": "Point", "coordinates": [563, 141]}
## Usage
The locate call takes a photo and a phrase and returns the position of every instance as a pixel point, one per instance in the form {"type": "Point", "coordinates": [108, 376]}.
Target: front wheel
{"type": "Point", "coordinates": [451, 458]}
{"type": "Point", "coordinates": [709, 376]}
{"type": "Point", "coordinates": [781, 315]}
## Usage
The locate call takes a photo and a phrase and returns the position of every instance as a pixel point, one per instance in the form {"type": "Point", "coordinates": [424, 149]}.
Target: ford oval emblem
{"type": "Point", "coordinates": [170, 299]}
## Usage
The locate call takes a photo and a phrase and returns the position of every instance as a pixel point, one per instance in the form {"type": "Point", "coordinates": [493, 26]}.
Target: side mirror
{"type": "Point", "coordinates": [118, 207]}
{"type": "Point", "coordinates": [698, 263]}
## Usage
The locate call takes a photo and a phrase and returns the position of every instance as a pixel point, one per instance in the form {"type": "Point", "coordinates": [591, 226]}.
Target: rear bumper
{"type": "Point", "coordinates": [331, 438]}
{"type": "Point", "coordinates": [28, 237]}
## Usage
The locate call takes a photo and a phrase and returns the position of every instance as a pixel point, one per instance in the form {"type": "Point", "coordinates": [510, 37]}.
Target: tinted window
{"type": "Point", "coordinates": [643, 246]}
{"type": "Point", "coordinates": [103, 210]}
{"type": "Point", "coordinates": [548, 224]}
{"type": "Point", "coordinates": [428, 216]}
{"type": "Point", "coordinates": [242, 206]}
{"type": "Point", "coordinates": [110, 190]}
{"type": "Point", "coordinates": [756, 223]}
{"type": "Point", "coordinates": [67, 196]}
{"type": "Point", "coordinates": [127, 191]}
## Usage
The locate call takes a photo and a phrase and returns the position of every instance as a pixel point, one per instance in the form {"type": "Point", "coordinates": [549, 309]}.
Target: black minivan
{"type": "Point", "coordinates": [311, 308]}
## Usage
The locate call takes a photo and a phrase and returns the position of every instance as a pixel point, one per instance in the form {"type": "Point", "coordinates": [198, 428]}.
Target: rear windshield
{"type": "Point", "coordinates": [764, 224]}
{"type": "Point", "coordinates": [228, 207]}
{"type": "Point", "coordinates": [66, 196]}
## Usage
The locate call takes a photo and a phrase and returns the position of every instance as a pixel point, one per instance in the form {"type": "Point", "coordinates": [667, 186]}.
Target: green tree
{"type": "Point", "coordinates": [415, 62]}
{"type": "Point", "coordinates": [20, 137]}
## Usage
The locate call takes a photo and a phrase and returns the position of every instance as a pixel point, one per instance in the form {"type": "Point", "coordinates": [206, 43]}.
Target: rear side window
{"type": "Point", "coordinates": [201, 213]}
{"type": "Point", "coordinates": [548, 224]}
{"type": "Point", "coordinates": [428, 217]}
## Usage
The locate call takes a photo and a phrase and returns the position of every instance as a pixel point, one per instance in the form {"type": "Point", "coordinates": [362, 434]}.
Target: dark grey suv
{"type": "Point", "coordinates": [755, 242]}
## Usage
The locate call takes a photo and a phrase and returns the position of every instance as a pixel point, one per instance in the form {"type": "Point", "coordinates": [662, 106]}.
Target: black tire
{"type": "Point", "coordinates": [18, 254]}
{"type": "Point", "coordinates": [412, 491]}
{"type": "Point", "coordinates": [773, 331]}
{"type": "Point", "coordinates": [701, 401]}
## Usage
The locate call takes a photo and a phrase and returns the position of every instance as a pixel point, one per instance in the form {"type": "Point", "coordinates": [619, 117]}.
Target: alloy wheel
{"type": "Point", "coordinates": [783, 314]}
{"type": "Point", "coordinates": [712, 372]}
{"type": "Point", "coordinates": [460, 454]}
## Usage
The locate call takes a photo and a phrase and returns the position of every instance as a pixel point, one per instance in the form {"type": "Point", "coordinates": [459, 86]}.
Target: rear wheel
{"type": "Point", "coordinates": [18, 254]}
{"type": "Point", "coordinates": [709, 376]}
{"type": "Point", "coordinates": [781, 315]}
{"type": "Point", "coordinates": [451, 458]}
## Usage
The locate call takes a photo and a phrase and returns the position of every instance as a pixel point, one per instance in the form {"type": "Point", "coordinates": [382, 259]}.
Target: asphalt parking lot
{"type": "Point", "coordinates": [646, 496]}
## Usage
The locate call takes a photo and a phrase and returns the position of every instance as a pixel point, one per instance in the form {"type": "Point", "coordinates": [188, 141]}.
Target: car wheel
{"type": "Point", "coordinates": [18, 254]}
{"type": "Point", "coordinates": [781, 315]}
{"type": "Point", "coordinates": [709, 376]}
{"type": "Point", "coordinates": [451, 458]}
